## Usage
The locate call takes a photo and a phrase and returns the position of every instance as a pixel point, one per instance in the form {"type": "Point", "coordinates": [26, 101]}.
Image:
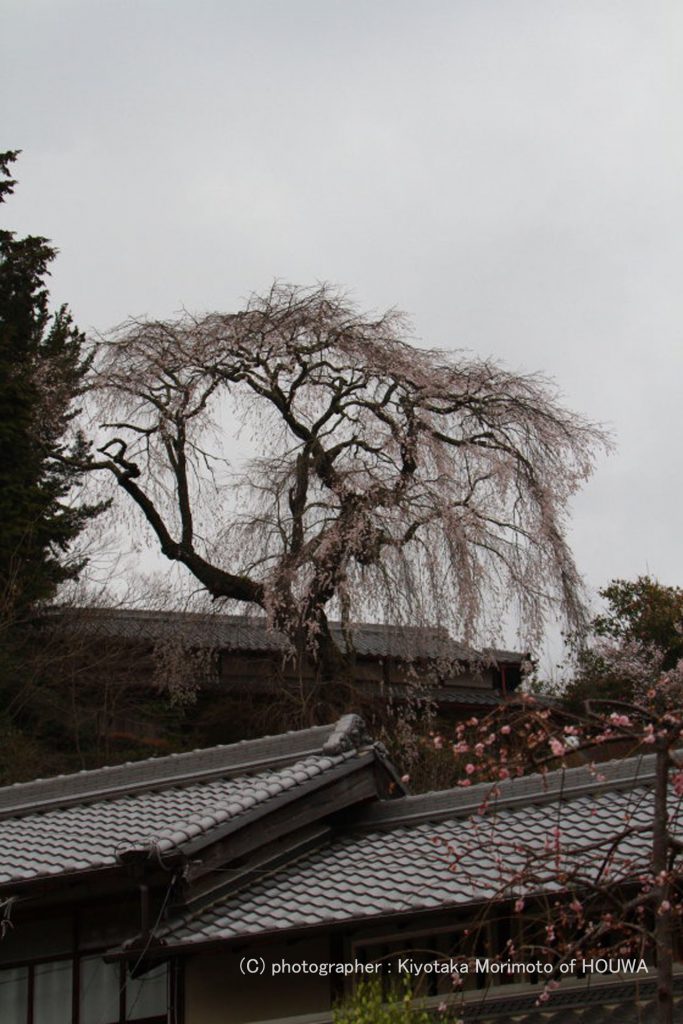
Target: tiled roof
{"type": "Point", "coordinates": [173, 769]}
{"type": "Point", "coordinates": [87, 821]}
{"type": "Point", "coordinates": [500, 654]}
{"type": "Point", "coordinates": [612, 1002]}
{"type": "Point", "coordinates": [470, 696]}
{"type": "Point", "coordinates": [251, 633]}
{"type": "Point", "coordinates": [400, 860]}
{"type": "Point", "coordinates": [565, 785]}
{"type": "Point", "coordinates": [456, 694]}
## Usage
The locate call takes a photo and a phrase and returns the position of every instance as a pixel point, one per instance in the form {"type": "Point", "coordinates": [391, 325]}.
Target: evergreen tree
{"type": "Point", "coordinates": [635, 643]}
{"type": "Point", "coordinates": [645, 612]}
{"type": "Point", "coordinates": [42, 371]}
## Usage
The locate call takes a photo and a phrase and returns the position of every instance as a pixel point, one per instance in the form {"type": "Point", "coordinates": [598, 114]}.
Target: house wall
{"type": "Point", "coordinates": [33, 940]}
{"type": "Point", "coordinates": [372, 676]}
{"type": "Point", "coordinates": [216, 992]}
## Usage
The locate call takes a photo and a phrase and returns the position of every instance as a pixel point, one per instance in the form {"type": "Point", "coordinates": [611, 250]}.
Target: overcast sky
{"type": "Point", "coordinates": [507, 172]}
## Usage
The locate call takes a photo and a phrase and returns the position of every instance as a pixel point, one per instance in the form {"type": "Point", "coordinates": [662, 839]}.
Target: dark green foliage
{"type": "Point", "coordinates": [637, 639]}
{"type": "Point", "coordinates": [43, 366]}
{"type": "Point", "coordinates": [370, 1004]}
{"type": "Point", "coordinates": [42, 371]}
{"type": "Point", "coordinates": [646, 612]}
{"type": "Point", "coordinates": [70, 700]}
{"type": "Point", "coordinates": [594, 678]}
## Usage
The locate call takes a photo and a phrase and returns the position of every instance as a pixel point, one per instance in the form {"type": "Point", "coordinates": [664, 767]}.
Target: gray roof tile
{"type": "Point", "coordinates": [87, 821]}
{"type": "Point", "coordinates": [176, 769]}
{"type": "Point", "coordinates": [251, 633]}
{"type": "Point", "coordinates": [401, 858]}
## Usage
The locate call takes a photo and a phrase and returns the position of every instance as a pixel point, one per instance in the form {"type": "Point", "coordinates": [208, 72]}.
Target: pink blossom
{"type": "Point", "coordinates": [506, 730]}
{"type": "Point", "coordinates": [620, 720]}
{"type": "Point", "coordinates": [519, 905]}
{"type": "Point", "coordinates": [469, 768]}
{"type": "Point", "coordinates": [557, 747]}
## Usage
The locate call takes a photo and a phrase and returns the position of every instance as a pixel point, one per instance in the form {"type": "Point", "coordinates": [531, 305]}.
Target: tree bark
{"type": "Point", "coordinates": [662, 889]}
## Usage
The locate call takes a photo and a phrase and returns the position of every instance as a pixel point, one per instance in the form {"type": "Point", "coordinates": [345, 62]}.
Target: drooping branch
{"type": "Point", "coordinates": [218, 582]}
{"type": "Point", "coordinates": [415, 481]}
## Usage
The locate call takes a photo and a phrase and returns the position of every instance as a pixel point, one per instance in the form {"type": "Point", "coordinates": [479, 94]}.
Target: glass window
{"type": "Point", "coordinates": [14, 995]}
{"type": "Point", "coordinates": [147, 996]}
{"type": "Point", "coordinates": [52, 993]}
{"type": "Point", "coordinates": [99, 998]}
{"type": "Point", "coordinates": [100, 984]}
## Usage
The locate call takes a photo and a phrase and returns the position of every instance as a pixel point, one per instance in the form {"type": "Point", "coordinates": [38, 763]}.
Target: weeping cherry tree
{"type": "Point", "coordinates": [383, 479]}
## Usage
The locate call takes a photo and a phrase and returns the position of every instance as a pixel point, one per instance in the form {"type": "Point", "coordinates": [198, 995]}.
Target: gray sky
{"type": "Point", "coordinates": [507, 172]}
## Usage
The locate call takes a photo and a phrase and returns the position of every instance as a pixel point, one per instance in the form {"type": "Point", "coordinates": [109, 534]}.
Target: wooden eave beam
{"type": "Point", "coordinates": [352, 783]}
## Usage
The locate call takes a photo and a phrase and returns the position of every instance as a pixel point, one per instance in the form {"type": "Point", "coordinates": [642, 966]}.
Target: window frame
{"type": "Point", "coordinates": [173, 986]}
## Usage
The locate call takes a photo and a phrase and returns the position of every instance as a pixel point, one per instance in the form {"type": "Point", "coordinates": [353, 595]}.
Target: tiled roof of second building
{"type": "Point", "coordinates": [442, 851]}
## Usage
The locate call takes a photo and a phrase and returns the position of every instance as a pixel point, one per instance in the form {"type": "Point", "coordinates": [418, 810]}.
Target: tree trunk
{"type": "Point", "coordinates": [662, 890]}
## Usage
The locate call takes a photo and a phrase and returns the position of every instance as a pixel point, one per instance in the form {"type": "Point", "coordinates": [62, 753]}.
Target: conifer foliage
{"type": "Point", "coordinates": [42, 368]}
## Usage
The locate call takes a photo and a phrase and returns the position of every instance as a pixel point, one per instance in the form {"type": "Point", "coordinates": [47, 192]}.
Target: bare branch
{"type": "Point", "coordinates": [380, 462]}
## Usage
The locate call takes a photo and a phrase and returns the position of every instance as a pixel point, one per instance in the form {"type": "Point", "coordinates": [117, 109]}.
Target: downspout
{"type": "Point", "coordinates": [144, 912]}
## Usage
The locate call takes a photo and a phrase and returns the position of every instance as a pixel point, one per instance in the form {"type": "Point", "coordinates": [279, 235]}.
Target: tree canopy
{"type": "Point", "coordinates": [592, 878]}
{"type": "Point", "coordinates": [42, 370]}
{"type": "Point", "coordinates": [390, 480]}
{"type": "Point", "coordinates": [634, 643]}
{"type": "Point", "coordinates": [646, 612]}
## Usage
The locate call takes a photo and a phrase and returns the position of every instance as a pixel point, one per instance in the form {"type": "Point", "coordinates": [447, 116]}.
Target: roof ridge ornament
{"type": "Point", "coordinates": [349, 733]}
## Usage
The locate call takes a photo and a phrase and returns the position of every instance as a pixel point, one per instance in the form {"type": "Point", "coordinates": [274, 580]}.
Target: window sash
{"type": "Point", "coordinates": [42, 992]}
{"type": "Point", "coordinates": [14, 990]}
